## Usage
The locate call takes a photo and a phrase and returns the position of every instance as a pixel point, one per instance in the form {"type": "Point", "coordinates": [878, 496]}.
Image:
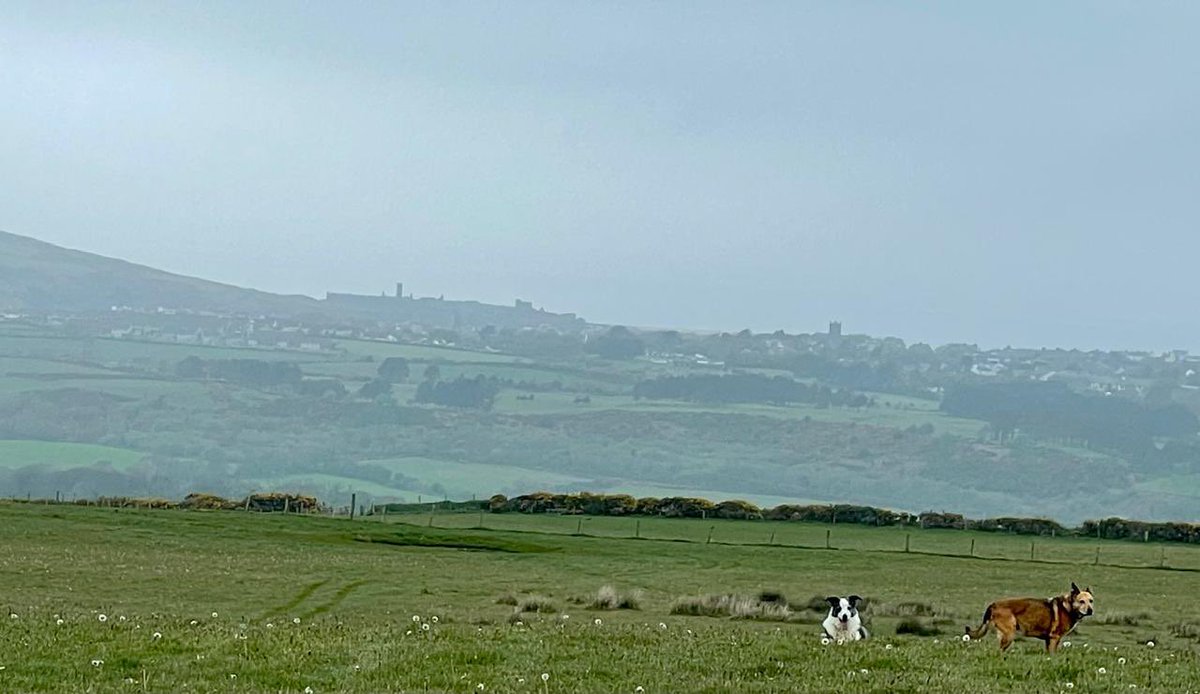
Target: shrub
{"type": "Point", "coordinates": [536, 603]}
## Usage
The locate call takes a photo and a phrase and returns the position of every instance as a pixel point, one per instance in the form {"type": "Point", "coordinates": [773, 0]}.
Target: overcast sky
{"type": "Point", "coordinates": [1000, 173]}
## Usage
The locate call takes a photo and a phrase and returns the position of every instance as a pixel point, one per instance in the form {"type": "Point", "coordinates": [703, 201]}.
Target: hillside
{"type": "Point", "coordinates": [354, 396]}
{"type": "Point", "coordinates": [37, 276]}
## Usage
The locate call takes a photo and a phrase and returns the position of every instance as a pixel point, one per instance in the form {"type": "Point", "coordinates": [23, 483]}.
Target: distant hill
{"type": "Point", "coordinates": [38, 276]}
{"type": "Point", "coordinates": [43, 278]}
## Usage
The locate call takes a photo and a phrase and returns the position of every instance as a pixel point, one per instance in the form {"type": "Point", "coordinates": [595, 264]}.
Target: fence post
{"type": "Point", "coordinates": [579, 526]}
{"type": "Point", "coordinates": [972, 547]}
{"type": "Point", "coordinates": [1162, 557]}
{"type": "Point", "coordinates": [637, 528]}
{"type": "Point", "coordinates": [772, 540]}
{"type": "Point", "coordinates": [481, 518]}
{"type": "Point", "coordinates": [1097, 556]}
{"type": "Point", "coordinates": [907, 537]}
{"type": "Point", "coordinates": [353, 501]}
{"type": "Point", "coordinates": [710, 532]}
{"type": "Point", "coordinates": [287, 502]}
{"type": "Point", "coordinates": [827, 532]}
{"type": "Point", "coordinates": [1031, 550]}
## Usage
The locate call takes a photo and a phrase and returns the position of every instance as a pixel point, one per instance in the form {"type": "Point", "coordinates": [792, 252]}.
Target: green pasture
{"type": "Point", "coordinates": [106, 600]}
{"type": "Point", "coordinates": [58, 455]}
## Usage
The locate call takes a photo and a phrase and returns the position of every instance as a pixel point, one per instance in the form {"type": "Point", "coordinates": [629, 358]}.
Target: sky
{"type": "Point", "coordinates": [1016, 173]}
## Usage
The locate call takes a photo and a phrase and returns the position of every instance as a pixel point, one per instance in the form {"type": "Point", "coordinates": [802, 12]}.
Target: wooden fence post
{"type": "Point", "coordinates": [907, 537]}
{"type": "Point", "coordinates": [353, 501]}
{"type": "Point", "coordinates": [972, 547]}
{"type": "Point", "coordinates": [711, 528]}
{"type": "Point", "coordinates": [772, 540]}
{"type": "Point", "coordinates": [827, 532]}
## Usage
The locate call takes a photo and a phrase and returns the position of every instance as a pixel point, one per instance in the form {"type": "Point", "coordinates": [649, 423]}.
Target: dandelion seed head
{"type": "Point", "coordinates": [295, 620]}
{"type": "Point", "coordinates": [102, 617]}
{"type": "Point", "coordinates": [416, 618]}
{"type": "Point", "coordinates": [545, 677]}
{"type": "Point", "coordinates": [825, 641]}
{"type": "Point", "coordinates": [1121, 660]}
{"type": "Point", "coordinates": [598, 621]}
{"type": "Point", "coordinates": [214, 614]}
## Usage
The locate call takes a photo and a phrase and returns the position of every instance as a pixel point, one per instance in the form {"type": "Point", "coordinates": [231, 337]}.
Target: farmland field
{"type": "Point", "coordinates": [226, 601]}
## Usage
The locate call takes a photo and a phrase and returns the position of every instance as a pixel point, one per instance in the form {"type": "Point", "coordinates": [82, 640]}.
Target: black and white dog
{"type": "Point", "coordinates": [844, 623]}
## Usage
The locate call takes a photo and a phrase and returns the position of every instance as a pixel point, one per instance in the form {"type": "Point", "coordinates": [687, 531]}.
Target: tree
{"type": "Point", "coordinates": [393, 370]}
{"type": "Point", "coordinates": [375, 388]}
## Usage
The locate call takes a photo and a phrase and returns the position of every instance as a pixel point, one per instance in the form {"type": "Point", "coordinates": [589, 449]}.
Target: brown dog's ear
{"type": "Point", "coordinates": [833, 601]}
{"type": "Point", "coordinates": [1074, 588]}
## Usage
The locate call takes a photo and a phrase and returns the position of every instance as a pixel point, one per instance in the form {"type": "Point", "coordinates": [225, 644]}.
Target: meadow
{"type": "Point", "coordinates": [166, 601]}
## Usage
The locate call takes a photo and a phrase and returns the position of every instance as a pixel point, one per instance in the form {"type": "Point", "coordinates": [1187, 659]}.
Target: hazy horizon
{"type": "Point", "coordinates": [1005, 175]}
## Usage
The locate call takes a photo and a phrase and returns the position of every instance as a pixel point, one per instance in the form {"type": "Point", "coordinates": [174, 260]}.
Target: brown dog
{"type": "Point", "coordinates": [1048, 620]}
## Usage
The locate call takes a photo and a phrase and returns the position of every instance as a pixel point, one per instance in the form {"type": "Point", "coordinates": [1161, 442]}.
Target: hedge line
{"type": "Point", "coordinates": [691, 507]}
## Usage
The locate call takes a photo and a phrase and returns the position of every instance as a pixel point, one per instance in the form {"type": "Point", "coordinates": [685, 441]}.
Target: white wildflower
{"type": "Point", "coordinates": [888, 647]}
{"type": "Point", "coordinates": [102, 618]}
{"type": "Point", "coordinates": [156, 636]}
{"type": "Point", "coordinates": [424, 627]}
{"type": "Point", "coordinates": [214, 615]}
{"type": "Point", "coordinates": [232, 676]}
{"type": "Point", "coordinates": [59, 621]}
{"type": "Point", "coordinates": [270, 625]}
{"type": "Point", "coordinates": [597, 622]}
{"type": "Point", "coordinates": [1069, 685]}
{"type": "Point", "coordinates": [825, 641]}
{"type": "Point", "coordinates": [308, 690]}
{"type": "Point", "coordinates": [479, 686]}
{"type": "Point", "coordinates": [434, 619]}
{"type": "Point", "coordinates": [1121, 660]}
{"type": "Point", "coordinates": [416, 618]}
{"type": "Point", "coordinates": [1066, 644]}
{"type": "Point", "coordinates": [97, 662]}
{"type": "Point", "coordinates": [1149, 644]}
{"type": "Point", "coordinates": [639, 689]}
{"type": "Point", "coordinates": [966, 638]}
{"type": "Point", "coordinates": [1101, 671]}
{"type": "Point", "coordinates": [296, 620]}
{"type": "Point", "coordinates": [193, 622]}
{"type": "Point", "coordinates": [865, 671]}
{"type": "Point", "coordinates": [545, 677]}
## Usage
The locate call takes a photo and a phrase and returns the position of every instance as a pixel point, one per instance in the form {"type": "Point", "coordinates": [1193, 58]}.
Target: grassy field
{"type": "Point", "coordinates": [100, 600]}
{"type": "Point", "coordinates": [57, 456]}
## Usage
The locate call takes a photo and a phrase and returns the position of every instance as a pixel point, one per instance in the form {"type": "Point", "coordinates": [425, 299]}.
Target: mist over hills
{"type": "Point", "coordinates": [117, 378]}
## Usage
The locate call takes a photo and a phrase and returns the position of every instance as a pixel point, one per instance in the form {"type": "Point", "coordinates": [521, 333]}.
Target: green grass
{"type": "Point", "coordinates": [59, 456]}
{"type": "Point", "coordinates": [329, 604]}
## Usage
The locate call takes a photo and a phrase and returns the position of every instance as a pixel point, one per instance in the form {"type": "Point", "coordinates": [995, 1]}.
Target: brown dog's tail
{"type": "Point", "coordinates": [983, 628]}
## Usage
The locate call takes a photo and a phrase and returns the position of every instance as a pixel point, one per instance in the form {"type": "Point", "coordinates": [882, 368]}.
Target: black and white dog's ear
{"type": "Point", "coordinates": [854, 600]}
{"type": "Point", "coordinates": [833, 600]}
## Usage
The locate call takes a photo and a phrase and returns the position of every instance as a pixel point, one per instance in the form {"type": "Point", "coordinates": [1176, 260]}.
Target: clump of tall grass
{"type": "Point", "coordinates": [536, 603]}
{"type": "Point", "coordinates": [507, 599]}
{"type": "Point", "coordinates": [732, 606]}
{"type": "Point", "coordinates": [607, 598]}
{"type": "Point", "coordinates": [916, 627]}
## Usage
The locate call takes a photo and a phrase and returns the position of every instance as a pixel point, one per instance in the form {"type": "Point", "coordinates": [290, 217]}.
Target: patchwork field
{"type": "Point", "coordinates": [100, 600]}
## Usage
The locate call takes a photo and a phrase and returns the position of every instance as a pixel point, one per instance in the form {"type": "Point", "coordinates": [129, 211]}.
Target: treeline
{"type": "Point", "coordinates": [476, 393]}
{"type": "Point", "coordinates": [745, 388]}
{"type": "Point", "coordinates": [272, 502]}
{"type": "Point", "coordinates": [250, 372]}
{"type": "Point", "coordinates": [691, 507]}
{"type": "Point", "coordinates": [1052, 410]}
